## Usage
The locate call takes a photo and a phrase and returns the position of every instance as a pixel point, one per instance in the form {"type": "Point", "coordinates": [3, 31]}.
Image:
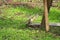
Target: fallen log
{"type": "Point", "coordinates": [39, 25]}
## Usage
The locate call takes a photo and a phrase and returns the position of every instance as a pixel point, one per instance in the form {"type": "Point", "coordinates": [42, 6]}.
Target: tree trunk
{"type": "Point", "coordinates": [45, 16]}
{"type": "Point", "coordinates": [49, 4]}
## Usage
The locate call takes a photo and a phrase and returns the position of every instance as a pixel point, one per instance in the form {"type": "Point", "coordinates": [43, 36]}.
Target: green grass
{"type": "Point", "coordinates": [21, 34]}
{"type": "Point", "coordinates": [13, 24]}
{"type": "Point", "coordinates": [26, 34]}
{"type": "Point", "coordinates": [54, 15]}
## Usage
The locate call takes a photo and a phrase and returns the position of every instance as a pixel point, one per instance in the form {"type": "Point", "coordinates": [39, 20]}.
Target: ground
{"type": "Point", "coordinates": [13, 24]}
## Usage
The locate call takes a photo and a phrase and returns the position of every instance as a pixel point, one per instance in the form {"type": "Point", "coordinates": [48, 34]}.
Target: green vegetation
{"type": "Point", "coordinates": [54, 15]}
{"type": "Point", "coordinates": [13, 24]}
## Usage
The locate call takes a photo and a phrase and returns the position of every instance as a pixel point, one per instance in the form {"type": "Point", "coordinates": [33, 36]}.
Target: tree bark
{"type": "Point", "coordinates": [45, 16]}
{"type": "Point", "coordinates": [49, 4]}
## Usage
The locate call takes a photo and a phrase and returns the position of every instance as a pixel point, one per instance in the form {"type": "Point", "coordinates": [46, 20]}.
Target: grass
{"type": "Point", "coordinates": [54, 15]}
{"type": "Point", "coordinates": [22, 34]}
{"type": "Point", "coordinates": [13, 24]}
